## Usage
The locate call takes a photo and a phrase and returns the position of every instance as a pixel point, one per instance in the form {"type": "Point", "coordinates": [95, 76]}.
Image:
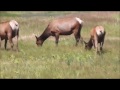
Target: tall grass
{"type": "Point", "coordinates": [66, 60]}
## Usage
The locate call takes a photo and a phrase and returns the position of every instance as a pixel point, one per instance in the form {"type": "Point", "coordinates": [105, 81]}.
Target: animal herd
{"type": "Point", "coordinates": [57, 27]}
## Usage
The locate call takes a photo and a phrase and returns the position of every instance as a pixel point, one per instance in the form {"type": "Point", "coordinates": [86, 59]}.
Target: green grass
{"type": "Point", "coordinates": [66, 60]}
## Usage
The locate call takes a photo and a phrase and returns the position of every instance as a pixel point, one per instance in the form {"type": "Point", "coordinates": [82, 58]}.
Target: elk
{"type": "Point", "coordinates": [97, 36]}
{"type": "Point", "coordinates": [9, 30]}
{"type": "Point", "coordinates": [61, 26]}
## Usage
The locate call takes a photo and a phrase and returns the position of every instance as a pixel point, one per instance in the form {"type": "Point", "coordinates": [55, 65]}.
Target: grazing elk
{"type": "Point", "coordinates": [9, 30]}
{"type": "Point", "coordinates": [97, 36]}
{"type": "Point", "coordinates": [64, 26]}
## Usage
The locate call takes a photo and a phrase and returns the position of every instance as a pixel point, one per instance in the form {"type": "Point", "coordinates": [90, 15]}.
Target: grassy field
{"type": "Point", "coordinates": [66, 60]}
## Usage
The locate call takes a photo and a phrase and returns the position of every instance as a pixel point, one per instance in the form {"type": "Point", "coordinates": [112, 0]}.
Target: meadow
{"type": "Point", "coordinates": [65, 61]}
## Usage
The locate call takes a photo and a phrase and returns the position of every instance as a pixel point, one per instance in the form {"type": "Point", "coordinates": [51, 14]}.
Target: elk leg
{"type": "Point", "coordinates": [101, 45]}
{"type": "Point", "coordinates": [5, 43]}
{"type": "Point", "coordinates": [56, 39]}
{"type": "Point", "coordinates": [17, 44]}
{"type": "Point", "coordinates": [16, 38]}
{"type": "Point", "coordinates": [96, 45]}
{"type": "Point", "coordinates": [10, 41]}
{"type": "Point", "coordinates": [77, 37]}
{"type": "Point", "coordinates": [93, 43]}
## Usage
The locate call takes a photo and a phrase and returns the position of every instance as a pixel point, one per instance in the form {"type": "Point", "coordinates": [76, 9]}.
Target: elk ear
{"type": "Point", "coordinates": [36, 37]}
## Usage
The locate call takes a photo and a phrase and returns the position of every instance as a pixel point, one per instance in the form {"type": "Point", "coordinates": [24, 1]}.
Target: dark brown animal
{"type": "Point", "coordinates": [97, 36]}
{"type": "Point", "coordinates": [9, 30]}
{"type": "Point", "coordinates": [64, 26]}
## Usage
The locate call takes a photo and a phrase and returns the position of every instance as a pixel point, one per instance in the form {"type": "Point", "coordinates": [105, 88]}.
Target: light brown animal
{"type": "Point", "coordinates": [9, 30]}
{"type": "Point", "coordinates": [97, 36]}
{"type": "Point", "coordinates": [64, 26]}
